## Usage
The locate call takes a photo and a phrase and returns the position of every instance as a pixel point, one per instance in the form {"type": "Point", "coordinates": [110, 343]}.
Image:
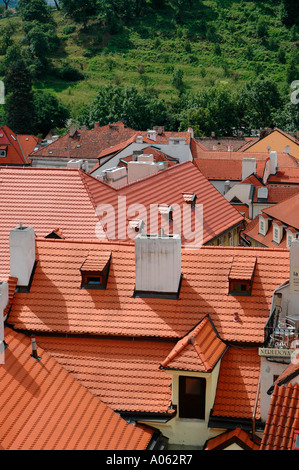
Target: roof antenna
{"type": "Point", "coordinates": [34, 349]}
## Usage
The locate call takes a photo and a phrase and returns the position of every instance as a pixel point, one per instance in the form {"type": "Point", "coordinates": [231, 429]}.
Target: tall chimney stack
{"type": "Point", "coordinates": [157, 264]}
{"type": "Point", "coordinates": [22, 254]}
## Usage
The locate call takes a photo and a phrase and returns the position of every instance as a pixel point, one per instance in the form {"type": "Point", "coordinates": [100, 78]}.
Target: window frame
{"type": "Point", "coordinates": [192, 405]}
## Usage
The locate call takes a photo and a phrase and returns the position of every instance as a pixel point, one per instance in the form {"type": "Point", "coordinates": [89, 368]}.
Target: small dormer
{"type": "Point", "coordinates": [3, 150]}
{"type": "Point", "coordinates": [166, 211]}
{"type": "Point", "coordinates": [277, 227]}
{"type": "Point", "coordinates": [263, 224]}
{"type": "Point", "coordinates": [95, 270]}
{"type": "Point", "coordinates": [190, 198]}
{"type": "Point", "coordinates": [291, 234]}
{"type": "Point", "coordinates": [241, 275]}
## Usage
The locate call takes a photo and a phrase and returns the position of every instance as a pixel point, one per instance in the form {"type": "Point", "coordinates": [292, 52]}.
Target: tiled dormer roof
{"type": "Point", "coordinates": [237, 437]}
{"type": "Point", "coordinates": [198, 351]}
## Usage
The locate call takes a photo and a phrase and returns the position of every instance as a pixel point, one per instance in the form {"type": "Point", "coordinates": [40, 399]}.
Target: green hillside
{"type": "Point", "coordinates": [207, 44]}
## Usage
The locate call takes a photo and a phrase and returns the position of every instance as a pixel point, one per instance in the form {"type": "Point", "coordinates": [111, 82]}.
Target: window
{"type": "Point", "coordinates": [262, 226]}
{"type": "Point", "coordinates": [2, 153]}
{"type": "Point", "coordinates": [192, 397]}
{"type": "Point", "coordinates": [240, 287]}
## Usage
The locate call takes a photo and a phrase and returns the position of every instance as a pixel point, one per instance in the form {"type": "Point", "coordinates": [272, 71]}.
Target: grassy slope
{"type": "Point", "coordinates": [156, 45]}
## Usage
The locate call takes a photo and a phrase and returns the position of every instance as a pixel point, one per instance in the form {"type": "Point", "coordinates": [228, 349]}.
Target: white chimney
{"type": "Point", "coordinates": [157, 263]}
{"type": "Point", "coordinates": [273, 163]}
{"type": "Point", "coordinates": [3, 304]}
{"type": "Point", "coordinates": [294, 266]}
{"type": "Point", "coordinates": [74, 164]}
{"type": "Point", "coordinates": [191, 132]}
{"type": "Point", "coordinates": [248, 167]}
{"type": "Point", "coordinates": [22, 254]}
{"type": "Point", "coordinates": [142, 169]}
{"type": "Point", "coordinates": [152, 134]}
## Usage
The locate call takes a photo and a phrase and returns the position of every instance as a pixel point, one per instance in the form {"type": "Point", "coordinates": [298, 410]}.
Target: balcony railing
{"type": "Point", "coordinates": [280, 332]}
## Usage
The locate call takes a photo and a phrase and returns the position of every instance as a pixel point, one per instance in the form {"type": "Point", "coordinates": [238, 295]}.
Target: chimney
{"type": "Point", "coordinates": [3, 304]}
{"type": "Point", "coordinates": [22, 254]}
{"type": "Point", "coordinates": [152, 134]}
{"type": "Point", "coordinates": [273, 163]}
{"type": "Point", "coordinates": [157, 265]}
{"type": "Point", "coordinates": [96, 124]}
{"type": "Point", "coordinates": [248, 167]}
{"type": "Point", "coordinates": [226, 186]}
{"type": "Point", "coordinates": [294, 266]}
{"type": "Point", "coordinates": [191, 132]}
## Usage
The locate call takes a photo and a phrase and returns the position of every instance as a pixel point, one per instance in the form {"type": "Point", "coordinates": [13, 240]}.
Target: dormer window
{"type": "Point", "coordinates": [95, 270]}
{"type": "Point", "coordinates": [3, 150]}
{"type": "Point", "coordinates": [263, 225]}
{"type": "Point", "coordinates": [241, 275]}
{"type": "Point", "coordinates": [290, 235]}
{"type": "Point", "coordinates": [277, 231]}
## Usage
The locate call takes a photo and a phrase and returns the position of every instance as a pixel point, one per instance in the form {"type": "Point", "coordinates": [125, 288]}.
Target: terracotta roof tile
{"type": "Point", "coordinates": [124, 374]}
{"type": "Point", "coordinates": [236, 436]}
{"type": "Point", "coordinates": [198, 351]}
{"type": "Point", "coordinates": [57, 304]}
{"type": "Point", "coordinates": [242, 268]}
{"type": "Point", "coordinates": [44, 408]}
{"type": "Point", "coordinates": [283, 418]}
{"type": "Point", "coordinates": [238, 384]}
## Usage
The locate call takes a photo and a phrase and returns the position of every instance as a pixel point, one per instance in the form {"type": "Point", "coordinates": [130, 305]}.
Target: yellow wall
{"type": "Point", "coordinates": [277, 142]}
{"type": "Point", "coordinates": [225, 240]}
{"type": "Point", "coordinates": [190, 432]}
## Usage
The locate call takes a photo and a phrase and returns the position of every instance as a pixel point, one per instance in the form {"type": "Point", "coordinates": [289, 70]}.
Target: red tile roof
{"type": "Point", "coordinates": [286, 211]}
{"type": "Point", "coordinates": [44, 408]}
{"type": "Point", "coordinates": [86, 144]}
{"type": "Point", "coordinates": [124, 374]}
{"type": "Point", "coordinates": [17, 147]}
{"type": "Point", "coordinates": [198, 351]}
{"type": "Point", "coordinates": [238, 384]}
{"type": "Point", "coordinates": [283, 418]}
{"type": "Point", "coordinates": [252, 232]}
{"type": "Point", "coordinates": [236, 436]}
{"type": "Point", "coordinates": [242, 268]}
{"type": "Point", "coordinates": [167, 187]}
{"type": "Point", "coordinates": [45, 199]}
{"type": "Point", "coordinates": [228, 165]}
{"type": "Point", "coordinates": [57, 304]}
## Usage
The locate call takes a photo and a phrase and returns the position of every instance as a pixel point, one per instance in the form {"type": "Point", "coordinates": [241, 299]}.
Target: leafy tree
{"type": "Point", "coordinates": [34, 10]}
{"type": "Point", "coordinates": [49, 113]}
{"type": "Point", "coordinates": [79, 10]}
{"type": "Point", "coordinates": [257, 102]}
{"type": "Point", "coordinates": [19, 106]}
{"type": "Point", "coordinates": [138, 110]}
{"type": "Point", "coordinates": [290, 12]}
{"type": "Point", "coordinates": [177, 80]}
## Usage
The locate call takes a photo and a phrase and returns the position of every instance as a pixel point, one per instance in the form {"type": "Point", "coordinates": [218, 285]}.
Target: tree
{"type": "Point", "coordinates": [257, 102]}
{"type": "Point", "coordinates": [290, 12]}
{"type": "Point", "coordinates": [34, 10]}
{"type": "Point", "coordinates": [135, 109]}
{"type": "Point", "coordinates": [80, 10]}
{"type": "Point", "coordinates": [19, 106]}
{"type": "Point", "coordinates": [49, 113]}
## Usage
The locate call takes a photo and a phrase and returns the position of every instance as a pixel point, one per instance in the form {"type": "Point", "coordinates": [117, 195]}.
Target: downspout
{"type": "Point", "coordinates": [255, 408]}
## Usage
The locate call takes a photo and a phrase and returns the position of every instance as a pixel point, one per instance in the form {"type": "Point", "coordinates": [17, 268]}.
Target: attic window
{"type": "Point", "coordinates": [241, 275]}
{"type": "Point", "coordinates": [2, 153]}
{"type": "Point", "coordinates": [263, 225]}
{"type": "Point", "coordinates": [192, 397]}
{"type": "Point", "coordinates": [136, 225]}
{"type": "Point", "coordinates": [296, 440]}
{"type": "Point", "coordinates": [95, 270]}
{"type": "Point", "coordinates": [277, 232]}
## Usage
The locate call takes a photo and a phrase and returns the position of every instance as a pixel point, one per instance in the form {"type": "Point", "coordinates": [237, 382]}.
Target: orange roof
{"type": "Point", "coordinates": [236, 436]}
{"type": "Point", "coordinates": [242, 268]}
{"type": "Point", "coordinates": [198, 351]}
{"type": "Point", "coordinates": [57, 304]}
{"type": "Point", "coordinates": [44, 408]}
{"type": "Point", "coordinates": [288, 374]}
{"type": "Point", "coordinates": [286, 211]}
{"type": "Point", "coordinates": [85, 144]}
{"type": "Point", "coordinates": [167, 187]}
{"type": "Point", "coordinates": [237, 384]}
{"type": "Point", "coordinates": [285, 175]}
{"type": "Point", "coordinates": [45, 199]}
{"type": "Point", "coordinates": [17, 147]}
{"type": "Point", "coordinates": [124, 374]}
{"type": "Point", "coordinates": [282, 419]}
